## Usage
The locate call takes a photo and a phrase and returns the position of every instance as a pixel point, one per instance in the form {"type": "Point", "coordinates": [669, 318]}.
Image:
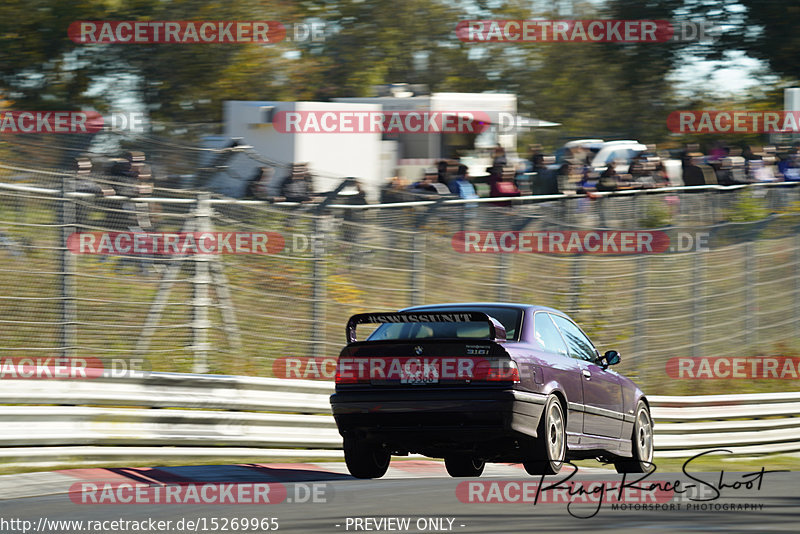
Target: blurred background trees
{"type": "Point", "coordinates": [593, 89]}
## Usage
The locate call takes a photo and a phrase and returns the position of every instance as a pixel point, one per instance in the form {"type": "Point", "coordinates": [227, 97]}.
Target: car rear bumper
{"type": "Point", "coordinates": [417, 420]}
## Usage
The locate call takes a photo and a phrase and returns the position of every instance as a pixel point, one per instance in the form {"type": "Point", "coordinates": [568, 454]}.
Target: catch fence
{"type": "Point", "coordinates": [238, 314]}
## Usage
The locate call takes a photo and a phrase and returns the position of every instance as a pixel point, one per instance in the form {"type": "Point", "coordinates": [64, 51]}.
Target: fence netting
{"type": "Point", "coordinates": [240, 313]}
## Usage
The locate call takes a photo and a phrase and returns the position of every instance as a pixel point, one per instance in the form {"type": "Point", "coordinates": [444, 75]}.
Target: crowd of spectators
{"type": "Point", "coordinates": [725, 165]}
{"type": "Point", "coordinates": [573, 172]}
{"type": "Point", "coordinates": [294, 186]}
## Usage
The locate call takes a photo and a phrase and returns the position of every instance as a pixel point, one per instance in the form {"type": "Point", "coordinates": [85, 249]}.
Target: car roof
{"type": "Point", "coordinates": [581, 142]}
{"type": "Point", "coordinates": [517, 305]}
{"type": "Point", "coordinates": [622, 142]}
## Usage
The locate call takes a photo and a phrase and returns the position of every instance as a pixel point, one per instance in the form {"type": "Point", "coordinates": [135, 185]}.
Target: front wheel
{"type": "Point", "coordinates": [463, 466]}
{"type": "Point", "coordinates": [550, 446]}
{"type": "Point", "coordinates": [642, 443]}
{"type": "Point", "coordinates": [365, 460]}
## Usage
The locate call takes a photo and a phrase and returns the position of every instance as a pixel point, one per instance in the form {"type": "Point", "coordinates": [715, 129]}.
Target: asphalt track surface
{"type": "Point", "coordinates": [322, 498]}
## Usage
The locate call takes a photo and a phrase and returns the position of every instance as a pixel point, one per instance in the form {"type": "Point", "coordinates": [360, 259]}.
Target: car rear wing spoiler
{"type": "Point", "coordinates": [497, 332]}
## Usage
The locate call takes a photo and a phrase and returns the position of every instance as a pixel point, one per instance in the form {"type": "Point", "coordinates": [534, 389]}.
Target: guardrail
{"type": "Point", "coordinates": [754, 423]}
{"type": "Point", "coordinates": [204, 417]}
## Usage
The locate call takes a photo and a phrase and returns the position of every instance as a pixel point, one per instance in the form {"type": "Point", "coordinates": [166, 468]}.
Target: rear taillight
{"type": "Point", "coordinates": [491, 370]}
{"type": "Point", "coordinates": [347, 372]}
{"type": "Point", "coordinates": [349, 378]}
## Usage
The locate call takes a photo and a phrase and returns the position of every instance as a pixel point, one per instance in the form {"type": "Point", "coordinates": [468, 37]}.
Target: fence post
{"type": "Point", "coordinates": [698, 308]}
{"type": "Point", "coordinates": [68, 329]}
{"type": "Point", "coordinates": [503, 266]}
{"type": "Point", "coordinates": [602, 216]}
{"type": "Point", "coordinates": [640, 310]}
{"type": "Point", "coordinates": [797, 283]}
{"type": "Point", "coordinates": [318, 288]}
{"type": "Point", "coordinates": [751, 318]}
{"type": "Point", "coordinates": [576, 280]}
{"type": "Point", "coordinates": [714, 207]}
{"type": "Point", "coordinates": [417, 268]}
{"type": "Point", "coordinates": [200, 298]}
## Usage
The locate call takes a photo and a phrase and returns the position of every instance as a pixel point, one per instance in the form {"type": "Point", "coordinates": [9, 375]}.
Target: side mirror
{"type": "Point", "coordinates": [611, 357]}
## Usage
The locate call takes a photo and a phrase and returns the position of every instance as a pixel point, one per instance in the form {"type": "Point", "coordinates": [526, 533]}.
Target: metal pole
{"type": "Point", "coordinates": [417, 281]}
{"type": "Point", "coordinates": [640, 311]}
{"type": "Point", "coordinates": [200, 299]}
{"type": "Point", "coordinates": [318, 289]}
{"type": "Point", "coordinates": [751, 319]}
{"type": "Point", "coordinates": [601, 212]}
{"type": "Point", "coordinates": [576, 280]}
{"type": "Point", "coordinates": [68, 329]}
{"type": "Point", "coordinates": [503, 266]}
{"type": "Point", "coordinates": [168, 279]}
{"type": "Point", "coordinates": [698, 309]}
{"type": "Point", "coordinates": [797, 283]}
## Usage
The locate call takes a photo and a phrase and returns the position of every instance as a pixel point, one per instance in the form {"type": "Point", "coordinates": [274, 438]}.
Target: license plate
{"type": "Point", "coordinates": [420, 377]}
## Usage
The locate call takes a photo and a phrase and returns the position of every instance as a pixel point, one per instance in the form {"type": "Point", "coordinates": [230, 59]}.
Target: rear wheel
{"type": "Point", "coordinates": [365, 460]}
{"type": "Point", "coordinates": [642, 443]}
{"type": "Point", "coordinates": [550, 446]}
{"type": "Point", "coordinates": [464, 466]}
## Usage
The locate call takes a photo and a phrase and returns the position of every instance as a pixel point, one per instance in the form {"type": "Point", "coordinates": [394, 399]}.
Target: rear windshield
{"type": "Point", "coordinates": [510, 318]}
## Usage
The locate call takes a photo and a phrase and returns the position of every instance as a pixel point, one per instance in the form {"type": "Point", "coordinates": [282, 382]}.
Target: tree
{"type": "Point", "coordinates": [40, 67]}
{"type": "Point", "coordinates": [762, 29]}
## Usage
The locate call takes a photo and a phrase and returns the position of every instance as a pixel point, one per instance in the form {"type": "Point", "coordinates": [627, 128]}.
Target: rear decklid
{"type": "Point", "coordinates": [428, 349]}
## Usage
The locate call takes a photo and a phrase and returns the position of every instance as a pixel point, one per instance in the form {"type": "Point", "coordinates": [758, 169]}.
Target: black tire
{"type": "Point", "coordinates": [550, 447]}
{"type": "Point", "coordinates": [365, 460]}
{"type": "Point", "coordinates": [641, 442]}
{"type": "Point", "coordinates": [464, 466]}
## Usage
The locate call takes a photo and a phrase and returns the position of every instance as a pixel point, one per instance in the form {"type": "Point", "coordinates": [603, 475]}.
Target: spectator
{"type": "Point", "coordinates": [660, 176]}
{"type": "Point", "coordinates": [638, 168]}
{"type": "Point", "coordinates": [394, 190]}
{"type": "Point", "coordinates": [501, 184]}
{"type": "Point", "coordinates": [499, 159]}
{"type": "Point", "coordinates": [85, 184]}
{"type": "Point", "coordinates": [461, 185]}
{"type": "Point", "coordinates": [537, 162]}
{"type": "Point", "coordinates": [748, 154]}
{"type": "Point", "coordinates": [568, 178]}
{"type": "Point", "coordinates": [259, 187]}
{"type": "Point", "coordinates": [696, 172]}
{"type": "Point", "coordinates": [132, 178]}
{"type": "Point", "coordinates": [297, 186]}
{"type": "Point", "coordinates": [545, 181]}
{"type": "Point", "coordinates": [789, 167]}
{"type": "Point", "coordinates": [718, 151]}
{"type": "Point", "coordinates": [686, 155]}
{"type": "Point", "coordinates": [535, 157]}
{"type": "Point", "coordinates": [442, 175]}
{"type": "Point", "coordinates": [761, 171]}
{"type": "Point", "coordinates": [609, 178]}
{"type": "Point", "coordinates": [426, 185]}
{"type": "Point", "coordinates": [731, 171]}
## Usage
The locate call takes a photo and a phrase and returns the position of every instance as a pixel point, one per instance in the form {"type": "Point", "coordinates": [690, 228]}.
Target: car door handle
{"type": "Point", "coordinates": [586, 373]}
